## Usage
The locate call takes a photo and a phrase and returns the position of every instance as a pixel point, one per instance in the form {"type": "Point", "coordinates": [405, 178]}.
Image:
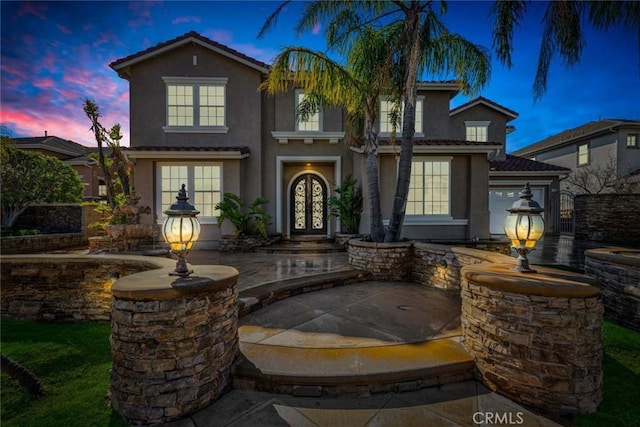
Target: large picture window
{"type": "Point", "coordinates": [196, 104]}
{"type": "Point", "coordinates": [386, 106]}
{"type": "Point", "coordinates": [429, 188]}
{"type": "Point", "coordinates": [203, 184]}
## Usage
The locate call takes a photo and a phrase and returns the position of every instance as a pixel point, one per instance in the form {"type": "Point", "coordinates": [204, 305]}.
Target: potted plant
{"type": "Point", "coordinates": [249, 223]}
{"type": "Point", "coordinates": [346, 205]}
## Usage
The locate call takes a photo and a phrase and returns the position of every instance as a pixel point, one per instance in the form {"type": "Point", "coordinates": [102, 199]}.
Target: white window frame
{"type": "Point", "coordinates": [299, 122]}
{"type": "Point", "coordinates": [476, 126]}
{"type": "Point", "coordinates": [632, 140]}
{"type": "Point", "coordinates": [195, 83]}
{"type": "Point", "coordinates": [190, 185]}
{"type": "Point", "coordinates": [430, 218]}
{"type": "Point", "coordinates": [580, 155]}
{"type": "Point", "coordinates": [385, 124]}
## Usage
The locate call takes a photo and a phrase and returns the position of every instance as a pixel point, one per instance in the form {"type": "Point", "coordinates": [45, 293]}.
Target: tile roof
{"type": "Point", "coordinates": [185, 38]}
{"type": "Point", "coordinates": [489, 103]}
{"type": "Point", "coordinates": [577, 133]}
{"type": "Point", "coordinates": [239, 149]}
{"type": "Point", "coordinates": [53, 143]}
{"type": "Point", "coordinates": [442, 142]}
{"type": "Point", "coordinates": [520, 164]}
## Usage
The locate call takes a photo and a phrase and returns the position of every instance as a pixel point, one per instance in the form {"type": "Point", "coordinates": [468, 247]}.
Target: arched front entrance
{"type": "Point", "coordinates": [308, 196]}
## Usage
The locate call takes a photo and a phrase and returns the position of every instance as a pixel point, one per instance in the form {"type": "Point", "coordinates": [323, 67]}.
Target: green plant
{"type": "Point", "coordinates": [348, 206]}
{"type": "Point", "coordinates": [245, 220]}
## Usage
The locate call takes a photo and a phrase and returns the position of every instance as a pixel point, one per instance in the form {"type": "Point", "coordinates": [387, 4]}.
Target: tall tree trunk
{"type": "Point", "coordinates": [371, 168]}
{"type": "Point", "coordinates": [412, 51]}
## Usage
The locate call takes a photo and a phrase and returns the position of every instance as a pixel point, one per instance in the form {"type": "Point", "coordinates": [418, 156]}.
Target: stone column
{"type": "Point", "coordinates": [536, 338]}
{"type": "Point", "coordinates": [172, 342]}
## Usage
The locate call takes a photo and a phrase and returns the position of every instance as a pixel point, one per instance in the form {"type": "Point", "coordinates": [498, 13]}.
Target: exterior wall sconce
{"type": "Point", "coordinates": [524, 226]}
{"type": "Point", "coordinates": [181, 229]}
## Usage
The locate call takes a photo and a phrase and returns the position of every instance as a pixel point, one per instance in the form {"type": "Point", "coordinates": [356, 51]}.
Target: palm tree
{"type": "Point", "coordinates": [356, 87]}
{"type": "Point", "coordinates": [423, 45]}
{"type": "Point", "coordinates": [562, 29]}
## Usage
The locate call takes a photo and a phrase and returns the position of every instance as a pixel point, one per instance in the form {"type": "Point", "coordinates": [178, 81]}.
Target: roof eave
{"type": "Point", "coordinates": [528, 173]}
{"type": "Point", "coordinates": [181, 155]}
{"type": "Point", "coordinates": [127, 64]}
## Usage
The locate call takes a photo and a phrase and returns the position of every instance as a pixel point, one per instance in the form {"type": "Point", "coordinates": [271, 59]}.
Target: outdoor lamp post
{"type": "Point", "coordinates": [181, 229]}
{"type": "Point", "coordinates": [524, 226]}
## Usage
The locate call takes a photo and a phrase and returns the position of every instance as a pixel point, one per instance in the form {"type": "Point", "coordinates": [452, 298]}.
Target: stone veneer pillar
{"type": "Point", "coordinates": [172, 342]}
{"type": "Point", "coordinates": [536, 338]}
{"type": "Point", "coordinates": [385, 261]}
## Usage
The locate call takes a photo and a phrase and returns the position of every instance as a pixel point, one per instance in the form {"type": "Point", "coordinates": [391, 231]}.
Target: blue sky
{"type": "Point", "coordinates": [56, 54]}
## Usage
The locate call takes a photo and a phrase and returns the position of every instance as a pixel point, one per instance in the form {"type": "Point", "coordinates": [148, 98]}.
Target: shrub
{"type": "Point", "coordinates": [246, 221]}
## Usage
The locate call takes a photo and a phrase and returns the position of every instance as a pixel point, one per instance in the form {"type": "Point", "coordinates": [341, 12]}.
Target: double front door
{"type": "Point", "coordinates": [308, 205]}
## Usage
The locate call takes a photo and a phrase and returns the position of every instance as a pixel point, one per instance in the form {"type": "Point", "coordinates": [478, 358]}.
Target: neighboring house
{"type": "Point", "coordinates": [609, 143]}
{"type": "Point", "coordinates": [198, 118]}
{"type": "Point", "coordinates": [71, 153]}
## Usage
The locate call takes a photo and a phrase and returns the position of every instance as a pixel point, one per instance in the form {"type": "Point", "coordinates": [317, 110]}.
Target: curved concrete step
{"type": "Point", "coordinates": [351, 371]}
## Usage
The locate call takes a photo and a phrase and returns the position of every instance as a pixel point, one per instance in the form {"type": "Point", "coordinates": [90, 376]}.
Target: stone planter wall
{"type": "Point", "coordinates": [535, 338]}
{"type": "Point", "coordinates": [618, 271]}
{"type": "Point", "coordinates": [65, 287]}
{"type": "Point", "coordinates": [613, 218]}
{"type": "Point", "coordinates": [41, 243]}
{"type": "Point", "coordinates": [439, 265]}
{"type": "Point", "coordinates": [172, 343]}
{"type": "Point", "coordinates": [342, 239]}
{"type": "Point", "coordinates": [385, 261]}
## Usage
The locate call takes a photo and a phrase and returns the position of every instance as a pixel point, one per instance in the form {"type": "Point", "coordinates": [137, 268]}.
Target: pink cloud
{"type": "Point", "coordinates": [141, 14]}
{"type": "Point", "coordinates": [43, 83]}
{"type": "Point", "coordinates": [186, 19]}
{"type": "Point", "coordinates": [316, 28]}
{"type": "Point", "coordinates": [64, 30]}
{"type": "Point", "coordinates": [14, 67]}
{"type": "Point", "coordinates": [33, 8]}
{"type": "Point", "coordinates": [264, 55]}
{"type": "Point", "coordinates": [107, 38]}
{"type": "Point", "coordinates": [220, 36]}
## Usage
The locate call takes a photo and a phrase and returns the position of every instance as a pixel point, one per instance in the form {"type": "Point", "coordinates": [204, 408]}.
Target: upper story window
{"type": "Point", "coordinates": [312, 124]}
{"type": "Point", "coordinates": [583, 154]}
{"type": "Point", "coordinates": [386, 106]}
{"type": "Point", "coordinates": [203, 183]}
{"type": "Point", "coordinates": [429, 187]}
{"type": "Point", "coordinates": [196, 104]}
{"type": "Point", "coordinates": [477, 131]}
{"type": "Point", "coordinates": [632, 140]}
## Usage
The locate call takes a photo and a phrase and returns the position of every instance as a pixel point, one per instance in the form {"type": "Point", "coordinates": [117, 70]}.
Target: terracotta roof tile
{"type": "Point", "coordinates": [520, 164]}
{"type": "Point", "coordinates": [442, 142]}
{"type": "Point", "coordinates": [53, 142]}
{"type": "Point", "coordinates": [177, 41]}
{"type": "Point", "coordinates": [240, 149]}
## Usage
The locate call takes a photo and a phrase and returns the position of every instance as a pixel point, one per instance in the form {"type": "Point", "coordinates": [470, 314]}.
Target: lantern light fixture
{"type": "Point", "coordinates": [524, 226]}
{"type": "Point", "coordinates": [180, 230]}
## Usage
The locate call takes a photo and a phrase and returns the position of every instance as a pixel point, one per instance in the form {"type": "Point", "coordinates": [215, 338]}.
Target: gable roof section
{"type": "Point", "coordinates": [486, 102]}
{"type": "Point", "coordinates": [570, 136]}
{"type": "Point", "coordinates": [53, 144]}
{"type": "Point", "coordinates": [516, 164]}
{"type": "Point", "coordinates": [121, 65]}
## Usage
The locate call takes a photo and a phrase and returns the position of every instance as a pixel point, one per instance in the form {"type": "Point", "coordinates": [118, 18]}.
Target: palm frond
{"type": "Point", "coordinates": [272, 19]}
{"type": "Point", "coordinates": [508, 14]}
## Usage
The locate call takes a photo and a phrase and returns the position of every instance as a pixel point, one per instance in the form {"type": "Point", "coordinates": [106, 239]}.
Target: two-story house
{"type": "Point", "coordinates": [72, 154]}
{"type": "Point", "coordinates": [197, 117]}
{"type": "Point", "coordinates": [604, 145]}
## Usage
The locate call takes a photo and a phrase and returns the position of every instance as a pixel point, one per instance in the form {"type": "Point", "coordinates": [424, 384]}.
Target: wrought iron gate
{"type": "Point", "coordinates": [567, 216]}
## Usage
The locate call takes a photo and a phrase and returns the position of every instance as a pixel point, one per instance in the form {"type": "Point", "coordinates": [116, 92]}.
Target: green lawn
{"type": "Point", "coordinates": [73, 362]}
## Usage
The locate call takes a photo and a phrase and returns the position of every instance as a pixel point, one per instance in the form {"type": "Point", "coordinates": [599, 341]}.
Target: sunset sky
{"type": "Point", "coordinates": [56, 54]}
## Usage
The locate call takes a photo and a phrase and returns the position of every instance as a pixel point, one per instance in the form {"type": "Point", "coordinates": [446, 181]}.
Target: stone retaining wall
{"type": "Point", "coordinates": [65, 287]}
{"type": "Point", "coordinates": [613, 218]}
{"type": "Point", "coordinates": [41, 243]}
{"type": "Point", "coordinates": [52, 218]}
{"type": "Point", "coordinates": [535, 338]}
{"type": "Point", "coordinates": [618, 271]}
{"type": "Point", "coordinates": [385, 261]}
{"type": "Point", "coordinates": [172, 345]}
{"type": "Point", "coordinates": [439, 265]}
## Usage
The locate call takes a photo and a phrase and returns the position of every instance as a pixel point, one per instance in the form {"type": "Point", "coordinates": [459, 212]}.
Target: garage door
{"type": "Point", "coordinates": [501, 199]}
